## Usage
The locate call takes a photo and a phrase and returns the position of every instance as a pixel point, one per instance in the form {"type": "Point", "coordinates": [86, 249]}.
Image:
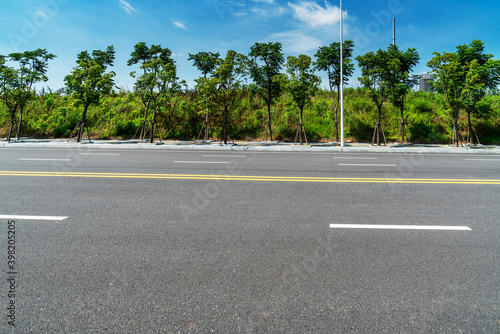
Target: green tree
{"type": "Point", "coordinates": [449, 77]}
{"type": "Point", "coordinates": [89, 81]}
{"type": "Point", "coordinates": [158, 79]}
{"type": "Point", "coordinates": [301, 83]}
{"type": "Point", "coordinates": [376, 77]}
{"type": "Point", "coordinates": [272, 58]}
{"type": "Point", "coordinates": [158, 76]}
{"type": "Point", "coordinates": [485, 74]}
{"type": "Point", "coordinates": [206, 63]}
{"type": "Point", "coordinates": [328, 59]}
{"type": "Point", "coordinates": [226, 84]}
{"type": "Point", "coordinates": [8, 84]}
{"type": "Point", "coordinates": [401, 80]}
{"type": "Point", "coordinates": [32, 69]}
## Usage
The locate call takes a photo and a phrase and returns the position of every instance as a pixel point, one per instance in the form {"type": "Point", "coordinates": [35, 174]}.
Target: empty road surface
{"type": "Point", "coordinates": [134, 241]}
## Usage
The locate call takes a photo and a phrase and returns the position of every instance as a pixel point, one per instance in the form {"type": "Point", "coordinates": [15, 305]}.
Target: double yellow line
{"type": "Point", "coordinates": [249, 178]}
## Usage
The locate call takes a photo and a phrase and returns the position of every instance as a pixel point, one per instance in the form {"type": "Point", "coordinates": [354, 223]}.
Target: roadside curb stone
{"type": "Point", "coordinates": [249, 146]}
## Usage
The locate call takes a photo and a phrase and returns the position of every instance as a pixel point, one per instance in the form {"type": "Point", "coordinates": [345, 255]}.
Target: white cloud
{"type": "Point", "coordinates": [180, 25]}
{"type": "Point", "coordinates": [268, 11]}
{"type": "Point", "coordinates": [316, 15]}
{"type": "Point", "coordinates": [297, 42]}
{"type": "Point", "coordinates": [127, 7]}
{"type": "Point", "coordinates": [270, 2]}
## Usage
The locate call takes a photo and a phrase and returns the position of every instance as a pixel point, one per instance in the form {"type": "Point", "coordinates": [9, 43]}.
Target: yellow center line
{"type": "Point", "coordinates": [249, 178]}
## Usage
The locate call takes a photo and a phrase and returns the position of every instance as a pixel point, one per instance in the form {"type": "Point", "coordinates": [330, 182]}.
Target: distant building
{"type": "Point", "coordinates": [425, 82]}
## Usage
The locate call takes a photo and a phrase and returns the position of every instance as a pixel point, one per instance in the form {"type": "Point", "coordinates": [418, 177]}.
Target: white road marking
{"type": "Point", "coordinates": [402, 227]}
{"type": "Point", "coordinates": [201, 162]}
{"type": "Point", "coordinates": [99, 153]}
{"type": "Point", "coordinates": [32, 159]}
{"type": "Point", "coordinates": [370, 165]}
{"type": "Point", "coordinates": [225, 156]}
{"type": "Point", "coordinates": [355, 158]}
{"type": "Point", "coordinates": [482, 159]}
{"type": "Point", "coordinates": [32, 217]}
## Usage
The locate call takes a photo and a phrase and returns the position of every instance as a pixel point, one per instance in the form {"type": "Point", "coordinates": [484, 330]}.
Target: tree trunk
{"type": "Point", "coordinates": [402, 124]}
{"type": "Point", "coordinates": [143, 130]}
{"type": "Point", "coordinates": [469, 128]}
{"type": "Point", "coordinates": [82, 125]}
{"type": "Point", "coordinates": [20, 122]}
{"type": "Point", "coordinates": [9, 135]}
{"type": "Point", "coordinates": [455, 135]}
{"type": "Point", "coordinates": [152, 137]}
{"type": "Point", "coordinates": [224, 130]}
{"type": "Point", "coordinates": [301, 124]}
{"type": "Point", "coordinates": [269, 121]}
{"type": "Point", "coordinates": [379, 125]}
{"type": "Point", "coordinates": [206, 122]}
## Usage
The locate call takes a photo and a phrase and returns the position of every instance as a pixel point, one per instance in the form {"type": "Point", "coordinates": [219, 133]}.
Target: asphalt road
{"type": "Point", "coordinates": [240, 242]}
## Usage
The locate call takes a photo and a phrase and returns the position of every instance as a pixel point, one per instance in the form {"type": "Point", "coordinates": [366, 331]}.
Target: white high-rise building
{"type": "Point", "coordinates": [425, 82]}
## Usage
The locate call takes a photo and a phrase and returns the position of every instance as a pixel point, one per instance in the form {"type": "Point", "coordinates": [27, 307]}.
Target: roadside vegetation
{"type": "Point", "coordinates": [120, 115]}
{"type": "Point", "coordinates": [257, 97]}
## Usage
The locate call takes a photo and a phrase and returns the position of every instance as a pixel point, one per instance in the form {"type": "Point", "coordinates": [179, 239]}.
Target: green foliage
{"type": "Point", "coordinates": [263, 75]}
{"type": "Point", "coordinates": [53, 115]}
{"type": "Point", "coordinates": [328, 59]}
{"type": "Point", "coordinates": [88, 81]}
{"type": "Point", "coordinates": [157, 82]}
{"type": "Point", "coordinates": [300, 83]}
{"type": "Point", "coordinates": [205, 61]}
{"type": "Point", "coordinates": [225, 86]}
{"type": "Point", "coordinates": [17, 84]}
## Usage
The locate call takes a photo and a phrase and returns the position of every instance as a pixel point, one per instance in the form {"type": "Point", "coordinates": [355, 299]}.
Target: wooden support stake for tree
{"type": "Point", "coordinates": [139, 127]}
{"type": "Point", "coordinates": [88, 132]}
{"type": "Point", "coordinates": [376, 132]}
{"type": "Point", "coordinates": [205, 127]}
{"type": "Point", "coordinates": [76, 127]}
{"type": "Point", "coordinates": [336, 130]}
{"type": "Point", "coordinates": [298, 135]}
{"type": "Point", "coordinates": [401, 132]}
{"type": "Point", "coordinates": [12, 125]}
{"type": "Point", "coordinates": [3, 129]}
{"type": "Point", "coordinates": [383, 134]}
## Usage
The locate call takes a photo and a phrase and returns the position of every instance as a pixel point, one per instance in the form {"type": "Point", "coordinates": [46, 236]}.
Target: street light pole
{"type": "Point", "coordinates": [341, 81]}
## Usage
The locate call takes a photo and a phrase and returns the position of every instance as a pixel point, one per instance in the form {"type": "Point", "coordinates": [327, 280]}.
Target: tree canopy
{"type": "Point", "coordinates": [89, 81]}
{"type": "Point", "coordinates": [205, 61]}
{"type": "Point", "coordinates": [301, 83]}
{"type": "Point", "coordinates": [18, 84]}
{"type": "Point", "coordinates": [272, 59]}
{"type": "Point", "coordinates": [158, 78]}
{"type": "Point", "coordinates": [463, 77]}
{"type": "Point", "coordinates": [225, 84]}
{"type": "Point", "coordinates": [328, 59]}
{"type": "Point", "coordinates": [376, 77]}
{"type": "Point", "coordinates": [401, 81]}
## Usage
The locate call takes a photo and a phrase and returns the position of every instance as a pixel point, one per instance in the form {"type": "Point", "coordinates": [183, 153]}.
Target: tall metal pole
{"type": "Point", "coordinates": [341, 80]}
{"type": "Point", "coordinates": [394, 31]}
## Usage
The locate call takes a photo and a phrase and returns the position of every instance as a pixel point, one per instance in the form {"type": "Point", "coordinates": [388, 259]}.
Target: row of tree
{"type": "Point", "coordinates": [463, 77]}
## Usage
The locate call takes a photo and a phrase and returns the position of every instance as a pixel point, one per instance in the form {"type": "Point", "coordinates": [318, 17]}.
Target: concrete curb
{"type": "Point", "coordinates": [249, 146]}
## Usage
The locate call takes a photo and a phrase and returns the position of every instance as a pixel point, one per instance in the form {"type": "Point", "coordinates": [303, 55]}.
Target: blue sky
{"type": "Point", "coordinates": [67, 27]}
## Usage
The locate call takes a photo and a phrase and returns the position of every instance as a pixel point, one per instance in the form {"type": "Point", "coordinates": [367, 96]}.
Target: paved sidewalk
{"type": "Point", "coordinates": [246, 146]}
